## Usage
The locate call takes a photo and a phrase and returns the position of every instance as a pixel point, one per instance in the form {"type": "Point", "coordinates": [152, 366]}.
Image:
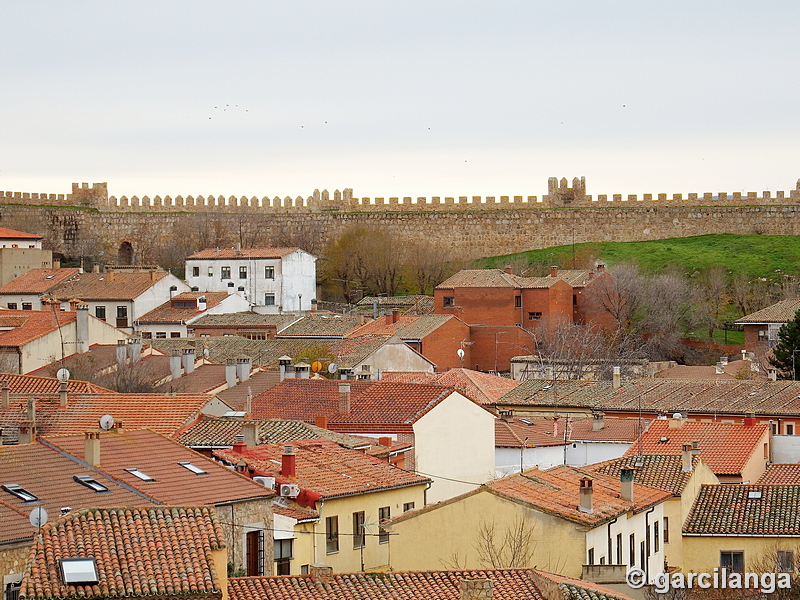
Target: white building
{"type": "Point", "coordinates": [274, 280]}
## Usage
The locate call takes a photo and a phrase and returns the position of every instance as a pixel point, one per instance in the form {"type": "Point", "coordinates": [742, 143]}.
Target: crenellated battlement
{"type": "Point", "coordinates": [560, 195]}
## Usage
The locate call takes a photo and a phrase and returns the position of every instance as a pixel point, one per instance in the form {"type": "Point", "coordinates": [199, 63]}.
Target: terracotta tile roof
{"type": "Point", "coordinates": [513, 434]}
{"type": "Point", "coordinates": [167, 314]}
{"type": "Point", "coordinates": [228, 253]}
{"type": "Point", "coordinates": [221, 432]}
{"type": "Point", "coordinates": [745, 510]}
{"type": "Point", "coordinates": [121, 285]}
{"type": "Point", "coordinates": [735, 397]}
{"type": "Point", "coordinates": [424, 306]}
{"type": "Point", "coordinates": [130, 546]}
{"type": "Point", "coordinates": [555, 491]}
{"type": "Point", "coordinates": [352, 351]}
{"type": "Point", "coordinates": [244, 319]}
{"type": "Point", "coordinates": [508, 584]}
{"type": "Point", "coordinates": [48, 475]}
{"type": "Point", "coordinates": [582, 429]}
{"type": "Point", "coordinates": [259, 381]}
{"type": "Point", "coordinates": [407, 305]}
{"type": "Point", "coordinates": [159, 457]}
{"type": "Point", "coordinates": [407, 327]}
{"type": "Point", "coordinates": [203, 380]}
{"type": "Point", "coordinates": [13, 234]}
{"type": "Point", "coordinates": [483, 388]}
{"type": "Point", "coordinates": [725, 448]}
{"type": "Point", "coordinates": [166, 414]}
{"type": "Point", "coordinates": [730, 371]}
{"type": "Point", "coordinates": [661, 471]}
{"type": "Point", "coordinates": [497, 278]}
{"type": "Point", "coordinates": [781, 473]}
{"type": "Point", "coordinates": [324, 325]}
{"type": "Point", "coordinates": [263, 352]}
{"type": "Point", "coordinates": [781, 312]}
{"type": "Point", "coordinates": [38, 281]}
{"type": "Point", "coordinates": [33, 384]}
{"type": "Point", "coordinates": [16, 526]}
{"type": "Point", "coordinates": [99, 358]}
{"type": "Point", "coordinates": [326, 468]}
{"type": "Point", "coordinates": [389, 301]}
{"type": "Point", "coordinates": [30, 325]}
{"type": "Point", "coordinates": [293, 510]}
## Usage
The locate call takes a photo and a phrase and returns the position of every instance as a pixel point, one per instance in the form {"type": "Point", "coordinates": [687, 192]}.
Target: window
{"type": "Point", "coordinates": [90, 483]}
{"type": "Point", "coordinates": [359, 530]}
{"type": "Point", "coordinates": [591, 556]}
{"type": "Point", "coordinates": [785, 561]}
{"type": "Point", "coordinates": [408, 506]}
{"type": "Point", "coordinates": [195, 271]}
{"type": "Point", "coordinates": [283, 557]}
{"type": "Point", "coordinates": [225, 273]}
{"type": "Point", "coordinates": [517, 301]}
{"type": "Point", "coordinates": [210, 271]}
{"type": "Point", "coordinates": [666, 530]}
{"type": "Point", "coordinates": [384, 514]}
{"type": "Point", "coordinates": [365, 367]}
{"type": "Point", "coordinates": [122, 316]}
{"type": "Point", "coordinates": [242, 272]}
{"type": "Point", "coordinates": [790, 429]}
{"type": "Point", "coordinates": [161, 334]}
{"type": "Point", "coordinates": [137, 473]}
{"type": "Point", "coordinates": [774, 427]}
{"type": "Point", "coordinates": [269, 272]}
{"type": "Point", "coordinates": [175, 334]}
{"type": "Point", "coordinates": [193, 468]}
{"type": "Point", "coordinates": [632, 550]}
{"type": "Point", "coordinates": [12, 590]}
{"type": "Point", "coordinates": [331, 534]}
{"type": "Point", "coordinates": [27, 306]}
{"type": "Point", "coordinates": [100, 312]}
{"type": "Point", "coordinates": [254, 552]}
{"type": "Point", "coordinates": [303, 569]}
{"type": "Point", "coordinates": [15, 490]}
{"type": "Point", "coordinates": [12, 305]}
{"type": "Point", "coordinates": [534, 316]}
{"type": "Point", "coordinates": [78, 570]}
{"type": "Point", "coordinates": [619, 549]}
{"type": "Point", "coordinates": [655, 536]}
{"type": "Point", "coordinates": [734, 561]}
{"type": "Point", "coordinates": [449, 301]}
{"type": "Point", "coordinates": [269, 299]}
{"type": "Point", "coordinates": [146, 335]}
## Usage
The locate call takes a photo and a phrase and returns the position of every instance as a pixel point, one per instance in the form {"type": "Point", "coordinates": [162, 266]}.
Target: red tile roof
{"type": "Point", "coordinates": [48, 475]}
{"type": "Point", "coordinates": [662, 471]}
{"type": "Point", "coordinates": [324, 467]}
{"type": "Point", "coordinates": [32, 384]}
{"type": "Point", "coordinates": [507, 584]}
{"type": "Point", "coordinates": [515, 434]}
{"type": "Point", "coordinates": [725, 448]}
{"type": "Point", "coordinates": [38, 281]}
{"type": "Point", "coordinates": [159, 458]}
{"type": "Point", "coordinates": [13, 234]}
{"type": "Point", "coordinates": [156, 551]}
{"type": "Point", "coordinates": [582, 429]}
{"type": "Point", "coordinates": [119, 285]}
{"type": "Point", "coordinates": [781, 473]}
{"type": "Point", "coordinates": [781, 312]}
{"type": "Point", "coordinates": [407, 327]}
{"type": "Point", "coordinates": [228, 253]}
{"type": "Point", "coordinates": [764, 510]}
{"type": "Point", "coordinates": [167, 314]}
{"type": "Point", "coordinates": [30, 325]}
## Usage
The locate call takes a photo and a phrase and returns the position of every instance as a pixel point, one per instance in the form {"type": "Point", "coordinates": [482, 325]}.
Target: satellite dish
{"type": "Point", "coordinates": [460, 353]}
{"type": "Point", "coordinates": [38, 517]}
{"type": "Point", "coordinates": [106, 422]}
{"type": "Point", "coordinates": [63, 375]}
{"type": "Point", "coordinates": [332, 368]}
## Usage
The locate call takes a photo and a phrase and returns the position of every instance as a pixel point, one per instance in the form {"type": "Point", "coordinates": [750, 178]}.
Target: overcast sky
{"type": "Point", "coordinates": [399, 98]}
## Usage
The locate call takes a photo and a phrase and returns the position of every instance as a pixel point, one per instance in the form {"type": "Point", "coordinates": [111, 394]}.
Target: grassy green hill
{"type": "Point", "coordinates": [754, 255]}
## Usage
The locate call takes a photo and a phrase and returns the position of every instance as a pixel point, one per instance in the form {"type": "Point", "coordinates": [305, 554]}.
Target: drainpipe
{"type": "Point", "coordinates": [608, 534]}
{"type": "Point", "coordinates": [647, 545]}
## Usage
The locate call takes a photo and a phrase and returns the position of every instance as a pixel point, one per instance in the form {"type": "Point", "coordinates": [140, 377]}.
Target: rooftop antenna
{"type": "Point", "coordinates": [38, 518]}
{"type": "Point", "coordinates": [106, 422]}
{"type": "Point", "coordinates": [63, 375]}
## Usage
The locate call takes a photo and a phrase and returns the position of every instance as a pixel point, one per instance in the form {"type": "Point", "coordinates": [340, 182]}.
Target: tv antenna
{"type": "Point", "coordinates": [106, 422]}
{"type": "Point", "coordinates": [38, 517]}
{"type": "Point", "coordinates": [63, 375]}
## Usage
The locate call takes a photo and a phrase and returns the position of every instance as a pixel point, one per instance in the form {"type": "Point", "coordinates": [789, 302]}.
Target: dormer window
{"type": "Point", "coordinates": [140, 475]}
{"type": "Point", "coordinates": [193, 468]}
{"type": "Point", "coordinates": [90, 483]}
{"type": "Point", "coordinates": [76, 571]}
{"type": "Point", "coordinates": [19, 492]}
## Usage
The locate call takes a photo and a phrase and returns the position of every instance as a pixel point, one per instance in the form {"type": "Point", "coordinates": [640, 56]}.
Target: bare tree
{"type": "Point", "coordinates": [510, 547]}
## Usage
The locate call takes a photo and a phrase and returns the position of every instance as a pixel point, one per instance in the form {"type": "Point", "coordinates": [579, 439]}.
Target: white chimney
{"type": "Point", "coordinates": [617, 381]}
{"type": "Point", "coordinates": [230, 372]}
{"type": "Point", "coordinates": [175, 364]}
{"type": "Point", "coordinates": [586, 494]}
{"type": "Point", "coordinates": [122, 353]}
{"type": "Point", "coordinates": [626, 484]}
{"type": "Point", "coordinates": [243, 364]}
{"type": "Point", "coordinates": [134, 349]}
{"type": "Point", "coordinates": [188, 360]}
{"type": "Point", "coordinates": [82, 327]}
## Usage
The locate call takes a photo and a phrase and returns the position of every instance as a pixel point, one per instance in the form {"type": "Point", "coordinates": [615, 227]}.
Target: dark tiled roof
{"type": "Point", "coordinates": [497, 278]}
{"type": "Point", "coordinates": [244, 319]}
{"type": "Point", "coordinates": [781, 473]}
{"type": "Point", "coordinates": [483, 388]}
{"type": "Point", "coordinates": [508, 584]}
{"type": "Point", "coordinates": [228, 253]}
{"type": "Point", "coordinates": [259, 381]}
{"type": "Point", "coordinates": [407, 327]}
{"type": "Point", "coordinates": [130, 547]}
{"type": "Point", "coordinates": [352, 351]}
{"type": "Point", "coordinates": [726, 449]}
{"type": "Point", "coordinates": [324, 325]}
{"type": "Point", "coordinates": [159, 458]}
{"type": "Point", "coordinates": [203, 380]}
{"type": "Point", "coordinates": [513, 434]}
{"type": "Point", "coordinates": [48, 475]}
{"type": "Point", "coordinates": [167, 314]}
{"type": "Point", "coordinates": [326, 468]}
{"type": "Point", "coordinates": [582, 429]}
{"type": "Point", "coordinates": [263, 352]}
{"type": "Point", "coordinates": [657, 470]}
{"type": "Point", "coordinates": [781, 312]}
{"type": "Point", "coordinates": [38, 281]}
{"type": "Point", "coordinates": [745, 510]}
{"type": "Point", "coordinates": [119, 285]}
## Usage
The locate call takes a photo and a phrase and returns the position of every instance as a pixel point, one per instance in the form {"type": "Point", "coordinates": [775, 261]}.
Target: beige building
{"type": "Point", "coordinates": [20, 252]}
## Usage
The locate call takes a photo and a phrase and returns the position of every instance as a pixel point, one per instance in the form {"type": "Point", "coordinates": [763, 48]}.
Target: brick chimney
{"type": "Point", "coordinates": [585, 494]}
{"type": "Point", "coordinates": [239, 445]}
{"type": "Point", "coordinates": [320, 573]}
{"type": "Point", "coordinates": [686, 458]}
{"type": "Point", "coordinates": [344, 398]}
{"type": "Point", "coordinates": [27, 431]}
{"type": "Point", "coordinates": [626, 484]}
{"type": "Point", "coordinates": [601, 268]}
{"type": "Point", "coordinates": [321, 421]}
{"type": "Point", "coordinates": [750, 419]}
{"type": "Point", "coordinates": [91, 448]}
{"type": "Point", "coordinates": [385, 441]}
{"type": "Point", "coordinates": [508, 270]}
{"type": "Point", "coordinates": [476, 589]}
{"type": "Point", "coordinates": [288, 459]}
{"type": "Point", "coordinates": [598, 421]}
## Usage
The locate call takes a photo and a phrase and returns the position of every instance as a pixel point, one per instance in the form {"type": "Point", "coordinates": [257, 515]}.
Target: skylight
{"type": "Point", "coordinates": [526, 421]}
{"type": "Point", "coordinates": [24, 495]}
{"type": "Point", "coordinates": [234, 413]}
{"type": "Point", "coordinates": [193, 468]}
{"type": "Point", "coordinates": [76, 571]}
{"type": "Point", "coordinates": [140, 475]}
{"type": "Point", "coordinates": [90, 483]}
{"type": "Point", "coordinates": [754, 494]}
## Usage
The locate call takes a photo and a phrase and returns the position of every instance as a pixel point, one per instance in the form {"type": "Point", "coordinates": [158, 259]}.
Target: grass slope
{"type": "Point", "coordinates": [754, 255]}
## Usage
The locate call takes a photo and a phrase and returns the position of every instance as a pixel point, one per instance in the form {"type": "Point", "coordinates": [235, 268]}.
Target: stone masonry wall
{"type": "Point", "coordinates": [13, 560]}
{"type": "Point", "coordinates": [234, 517]}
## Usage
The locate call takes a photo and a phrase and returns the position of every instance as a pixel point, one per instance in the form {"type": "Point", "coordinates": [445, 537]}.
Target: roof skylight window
{"type": "Point", "coordinates": [90, 483]}
{"type": "Point", "coordinates": [76, 571]}
{"type": "Point", "coordinates": [526, 421]}
{"type": "Point", "coordinates": [754, 494]}
{"type": "Point", "coordinates": [234, 413]}
{"type": "Point", "coordinates": [24, 495]}
{"type": "Point", "coordinates": [140, 475]}
{"type": "Point", "coordinates": [193, 468]}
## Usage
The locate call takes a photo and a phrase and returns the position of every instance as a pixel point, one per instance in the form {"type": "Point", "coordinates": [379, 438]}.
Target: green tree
{"type": "Point", "coordinates": [783, 353]}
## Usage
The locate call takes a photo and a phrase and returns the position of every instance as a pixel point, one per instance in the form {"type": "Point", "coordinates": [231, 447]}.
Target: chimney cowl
{"type": "Point", "coordinates": [239, 445]}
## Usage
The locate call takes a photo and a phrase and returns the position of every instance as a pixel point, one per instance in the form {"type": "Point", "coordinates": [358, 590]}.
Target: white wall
{"type": "Point", "coordinates": [394, 357]}
{"type": "Point", "coordinates": [786, 448]}
{"type": "Point", "coordinates": [455, 439]}
{"type": "Point", "coordinates": [586, 453]}
{"type": "Point", "coordinates": [544, 457]}
{"type": "Point", "coordinates": [34, 299]}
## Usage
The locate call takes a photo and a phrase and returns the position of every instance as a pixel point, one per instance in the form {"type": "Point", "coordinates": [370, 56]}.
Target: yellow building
{"type": "Point", "coordinates": [332, 503]}
{"type": "Point", "coordinates": [750, 528]}
{"type": "Point", "coordinates": [558, 520]}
